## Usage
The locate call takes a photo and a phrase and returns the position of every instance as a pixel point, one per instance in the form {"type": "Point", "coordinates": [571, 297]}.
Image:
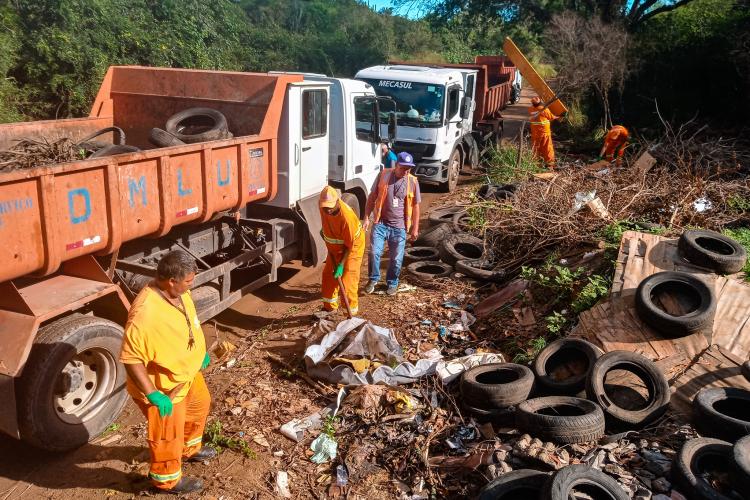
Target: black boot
{"type": "Point", "coordinates": [205, 453]}
{"type": "Point", "coordinates": [186, 485]}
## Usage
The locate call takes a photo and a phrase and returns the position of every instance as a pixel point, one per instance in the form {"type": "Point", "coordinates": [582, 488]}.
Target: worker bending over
{"type": "Point", "coordinates": [345, 240]}
{"type": "Point", "coordinates": [164, 352]}
{"type": "Point", "coordinates": [541, 132]}
{"type": "Point", "coordinates": [615, 140]}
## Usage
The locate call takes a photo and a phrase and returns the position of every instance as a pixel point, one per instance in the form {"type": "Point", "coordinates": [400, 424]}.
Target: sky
{"type": "Point", "coordinates": [379, 4]}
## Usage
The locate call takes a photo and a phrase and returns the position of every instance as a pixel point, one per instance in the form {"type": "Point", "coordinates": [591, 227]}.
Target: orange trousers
{"type": "Point", "coordinates": [352, 267]}
{"type": "Point", "coordinates": [541, 146]}
{"type": "Point", "coordinates": [609, 151]}
{"type": "Point", "coordinates": [176, 436]}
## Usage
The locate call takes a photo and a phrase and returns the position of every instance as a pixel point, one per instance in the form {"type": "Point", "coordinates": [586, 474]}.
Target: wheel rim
{"type": "Point", "coordinates": [453, 174]}
{"type": "Point", "coordinates": [83, 385]}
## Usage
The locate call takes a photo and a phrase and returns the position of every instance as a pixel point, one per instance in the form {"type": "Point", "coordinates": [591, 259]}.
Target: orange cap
{"type": "Point", "coordinates": [328, 197]}
{"type": "Point", "coordinates": [535, 101]}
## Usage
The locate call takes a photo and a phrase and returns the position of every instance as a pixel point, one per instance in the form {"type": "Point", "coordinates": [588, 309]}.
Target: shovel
{"type": "Point", "coordinates": [342, 292]}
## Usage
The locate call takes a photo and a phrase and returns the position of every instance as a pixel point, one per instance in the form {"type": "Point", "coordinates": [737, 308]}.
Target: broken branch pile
{"type": "Point", "coordinates": [28, 153]}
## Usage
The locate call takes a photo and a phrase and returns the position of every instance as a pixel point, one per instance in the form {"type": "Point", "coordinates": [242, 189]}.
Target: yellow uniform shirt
{"type": "Point", "coordinates": [157, 335]}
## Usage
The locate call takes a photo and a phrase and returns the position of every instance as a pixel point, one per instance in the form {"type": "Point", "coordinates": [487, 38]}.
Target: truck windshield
{"type": "Point", "coordinates": [417, 104]}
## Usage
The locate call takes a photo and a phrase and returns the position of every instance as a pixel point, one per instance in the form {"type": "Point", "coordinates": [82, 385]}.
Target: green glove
{"type": "Point", "coordinates": [161, 401]}
{"type": "Point", "coordinates": [599, 158]}
{"type": "Point", "coordinates": [339, 271]}
{"type": "Point", "coordinates": [206, 362]}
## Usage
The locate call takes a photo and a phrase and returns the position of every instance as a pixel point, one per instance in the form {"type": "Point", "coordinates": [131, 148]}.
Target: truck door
{"type": "Point", "coordinates": [312, 152]}
{"type": "Point", "coordinates": [453, 130]}
{"type": "Point", "coordinates": [366, 156]}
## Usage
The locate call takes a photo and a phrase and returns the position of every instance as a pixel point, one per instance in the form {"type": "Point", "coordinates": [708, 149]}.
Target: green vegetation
{"type": "Point", "coordinates": [501, 164]}
{"type": "Point", "coordinates": [595, 289]}
{"type": "Point", "coordinates": [742, 235]}
{"type": "Point", "coordinates": [525, 354]}
{"type": "Point", "coordinates": [329, 425]}
{"type": "Point", "coordinates": [739, 203]}
{"type": "Point", "coordinates": [612, 233]}
{"type": "Point", "coordinates": [113, 427]}
{"type": "Point", "coordinates": [214, 437]}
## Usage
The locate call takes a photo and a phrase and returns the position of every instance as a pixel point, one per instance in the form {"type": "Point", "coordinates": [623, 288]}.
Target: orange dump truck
{"type": "Point", "coordinates": [80, 239]}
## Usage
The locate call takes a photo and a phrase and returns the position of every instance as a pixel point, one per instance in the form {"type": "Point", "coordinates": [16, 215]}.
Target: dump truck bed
{"type": "Point", "coordinates": [55, 213]}
{"type": "Point", "coordinates": [493, 86]}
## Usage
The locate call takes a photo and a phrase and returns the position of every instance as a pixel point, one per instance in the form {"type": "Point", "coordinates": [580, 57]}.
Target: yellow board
{"type": "Point", "coordinates": [530, 75]}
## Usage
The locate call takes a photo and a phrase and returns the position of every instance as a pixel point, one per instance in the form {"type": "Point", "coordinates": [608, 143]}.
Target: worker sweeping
{"type": "Point", "coordinates": [345, 240]}
{"type": "Point", "coordinates": [541, 132]}
{"type": "Point", "coordinates": [615, 141]}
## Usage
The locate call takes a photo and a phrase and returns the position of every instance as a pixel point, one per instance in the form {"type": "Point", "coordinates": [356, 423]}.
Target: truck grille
{"type": "Point", "coordinates": [417, 150]}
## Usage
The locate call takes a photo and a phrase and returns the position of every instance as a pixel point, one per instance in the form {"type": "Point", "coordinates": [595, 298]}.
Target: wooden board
{"type": "Point", "coordinates": [530, 75]}
{"type": "Point", "coordinates": [614, 324]}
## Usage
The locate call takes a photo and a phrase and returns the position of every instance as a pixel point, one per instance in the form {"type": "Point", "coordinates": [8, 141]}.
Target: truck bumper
{"type": "Point", "coordinates": [429, 171]}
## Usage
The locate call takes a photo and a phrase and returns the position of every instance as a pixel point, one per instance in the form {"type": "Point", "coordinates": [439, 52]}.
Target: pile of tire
{"type": "Point", "coordinates": [713, 469]}
{"type": "Point", "coordinates": [191, 126]}
{"type": "Point", "coordinates": [446, 249]}
{"type": "Point", "coordinates": [101, 149]}
{"type": "Point", "coordinates": [705, 249]}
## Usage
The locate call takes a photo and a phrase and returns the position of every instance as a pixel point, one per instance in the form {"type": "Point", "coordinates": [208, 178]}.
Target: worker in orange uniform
{"type": "Point", "coordinates": [164, 352]}
{"type": "Point", "coordinates": [345, 240]}
{"type": "Point", "coordinates": [615, 140]}
{"type": "Point", "coordinates": [541, 133]}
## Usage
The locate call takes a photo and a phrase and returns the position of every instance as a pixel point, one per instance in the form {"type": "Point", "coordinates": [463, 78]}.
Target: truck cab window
{"type": "Point", "coordinates": [314, 113]}
{"type": "Point", "coordinates": [363, 118]}
{"type": "Point", "coordinates": [453, 102]}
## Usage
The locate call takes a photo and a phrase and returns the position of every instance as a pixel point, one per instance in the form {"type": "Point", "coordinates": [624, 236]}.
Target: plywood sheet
{"type": "Point", "coordinates": [531, 76]}
{"type": "Point", "coordinates": [615, 325]}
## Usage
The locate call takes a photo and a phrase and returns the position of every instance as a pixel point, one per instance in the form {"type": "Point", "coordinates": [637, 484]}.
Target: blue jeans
{"type": "Point", "coordinates": [396, 243]}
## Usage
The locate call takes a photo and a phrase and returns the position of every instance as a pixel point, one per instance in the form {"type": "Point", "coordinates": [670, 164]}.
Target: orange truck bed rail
{"type": "Point", "coordinates": [52, 214]}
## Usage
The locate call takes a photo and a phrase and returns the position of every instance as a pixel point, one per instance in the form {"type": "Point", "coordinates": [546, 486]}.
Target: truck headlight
{"type": "Point", "coordinates": [430, 171]}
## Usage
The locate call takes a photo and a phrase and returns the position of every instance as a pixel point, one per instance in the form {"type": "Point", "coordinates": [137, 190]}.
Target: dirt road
{"type": "Point", "coordinates": [270, 320]}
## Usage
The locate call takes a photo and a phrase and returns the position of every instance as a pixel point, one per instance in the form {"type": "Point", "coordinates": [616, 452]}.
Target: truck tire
{"type": "Point", "coordinates": [722, 412]}
{"type": "Point", "coordinates": [496, 385]}
{"type": "Point", "coordinates": [482, 270]}
{"type": "Point", "coordinates": [454, 169]}
{"type": "Point", "coordinates": [73, 386]}
{"type": "Point", "coordinates": [562, 352]}
{"type": "Point", "coordinates": [163, 139]}
{"type": "Point", "coordinates": [120, 139]}
{"type": "Point", "coordinates": [567, 479]}
{"type": "Point", "coordinates": [522, 483]}
{"type": "Point", "coordinates": [561, 419]}
{"type": "Point", "coordinates": [694, 459]}
{"type": "Point", "coordinates": [198, 125]}
{"type": "Point", "coordinates": [699, 319]}
{"type": "Point", "coordinates": [428, 270]}
{"type": "Point", "coordinates": [646, 370]}
{"type": "Point", "coordinates": [353, 202]}
{"type": "Point", "coordinates": [712, 250]}
{"type": "Point", "coordinates": [114, 149]}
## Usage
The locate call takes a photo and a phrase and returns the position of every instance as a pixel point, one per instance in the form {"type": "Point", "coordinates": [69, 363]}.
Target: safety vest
{"type": "Point", "coordinates": [334, 226]}
{"type": "Point", "coordinates": [541, 123]}
{"type": "Point", "coordinates": [411, 181]}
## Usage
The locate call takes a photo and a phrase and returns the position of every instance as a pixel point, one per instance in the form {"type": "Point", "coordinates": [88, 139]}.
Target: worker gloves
{"type": "Point", "coordinates": [339, 271]}
{"type": "Point", "coordinates": [162, 402]}
{"type": "Point", "coordinates": [206, 362]}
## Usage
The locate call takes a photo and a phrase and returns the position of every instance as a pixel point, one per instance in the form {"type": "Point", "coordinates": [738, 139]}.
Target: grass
{"type": "Point", "coordinates": [501, 165]}
{"type": "Point", "coordinates": [525, 354]}
{"type": "Point", "coordinates": [742, 235]}
{"type": "Point", "coordinates": [113, 427]}
{"type": "Point", "coordinates": [215, 438]}
{"type": "Point", "coordinates": [329, 425]}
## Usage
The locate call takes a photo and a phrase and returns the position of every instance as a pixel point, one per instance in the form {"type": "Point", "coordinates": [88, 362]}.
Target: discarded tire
{"type": "Point", "coordinates": [696, 295]}
{"type": "Point", "coordinates": [114, 149]}
{"type": "Point", "coordinates": [562, 419]}
{"type": "Point", "coordinates": [722, 412]}
{"type": "Point", "coordinates": [444, 214]}
{"type": "Point", "coordinates": [712, 250]}
{"type": "Point", "coordinates": [461, 246]}
{"type": "Point", "coordinates": [496, 385]}
{"type": "Point", "coordinates": [522, 483]}
{"type": "Point", "coordinates": [563, 366]}
{"type": "Point", "coordinates": [695, 460]}
{"type": "Point", "coordinates": [198, 125]}
{"type": "Point", "coordinates": [646, 370]}
{"type": "Point", "coordinates": [481, 270]}
{"type": "Point", "coordinates": [417, 254]}
{"type": "Point", "coordinates": [596, 483]}
{"type": "Point", "coordinates": [163, 139]}
{"type": "Point", "coordinates": [741, 451]}
{"type": "Point", "coordinates": [435, 235]}
{"type": "Point", "coordinates": [460, 221]}
{"type": "Point", "coordinates": [496, 191]}
{"type": "Point", "coordinates": [119, 136]}
{"type": "Point", "coordinates": [499, 416]}
{"type": "Point", "coordinates": [428, 270]}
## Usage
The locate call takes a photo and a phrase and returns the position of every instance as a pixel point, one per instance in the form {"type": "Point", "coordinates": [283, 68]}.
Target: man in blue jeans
{"type": "Point", "coordinates": [394, 206]}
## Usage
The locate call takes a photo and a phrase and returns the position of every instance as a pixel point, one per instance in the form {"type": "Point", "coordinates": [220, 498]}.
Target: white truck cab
{"type": "Point", "coordinates": [433, 108]}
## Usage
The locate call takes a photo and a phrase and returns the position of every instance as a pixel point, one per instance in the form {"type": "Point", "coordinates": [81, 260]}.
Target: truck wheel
{"type": "Point", "coordinates": [73, 385]}
{"type": "Point", "coordinates": [454, 168]}
{"type": "Point", "coordinates": [353, 202]}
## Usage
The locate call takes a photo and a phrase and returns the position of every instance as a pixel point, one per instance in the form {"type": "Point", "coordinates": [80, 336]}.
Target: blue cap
{"type": "Point", "coordinates": [405, 159]}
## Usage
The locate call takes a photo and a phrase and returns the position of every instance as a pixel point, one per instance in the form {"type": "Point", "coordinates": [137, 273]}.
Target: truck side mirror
{"type": "Point", "coordinates": [392, 127]}
{"type": "Point", "coordinates": [466, 103]}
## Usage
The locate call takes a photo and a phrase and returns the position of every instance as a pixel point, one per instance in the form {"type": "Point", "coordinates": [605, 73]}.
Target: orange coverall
{"type": "Point", "coordinates": [156, 335]}
{"type": "Point", "coordinates": [617, 137]}
{"type": "Point", "coordinates": [341, 232]}
{"type": "Point", "coordinates": [541, 134]}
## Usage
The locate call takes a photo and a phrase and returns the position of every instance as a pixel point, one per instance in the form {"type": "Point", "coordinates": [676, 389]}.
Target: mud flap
{"type": "Point", "coordinates": [311, 213]}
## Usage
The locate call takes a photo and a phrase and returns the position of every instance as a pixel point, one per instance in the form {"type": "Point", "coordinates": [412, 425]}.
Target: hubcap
{"type": "Point", "coordinates": [83, 385]}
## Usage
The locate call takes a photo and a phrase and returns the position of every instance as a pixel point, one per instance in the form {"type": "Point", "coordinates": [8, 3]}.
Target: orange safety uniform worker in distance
{"type": "Point", "coordinates": [615, 140]}
{"type": "Point", "coordinates": [164, 351]}
{"type": "Point", "coordinates": [541, 132]}
{"type": "Point", "coordinates": [345, 240]}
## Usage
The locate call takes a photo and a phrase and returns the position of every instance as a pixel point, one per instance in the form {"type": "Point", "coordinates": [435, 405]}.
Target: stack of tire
{"type": "Point", "coordinates": [447, 248]}
{"type": "Point", "coordinates": [570, 408]}
{"type": "Point", "coordinates": [191, 126]}
{"type": "Point", "coordinates": [705, 249]}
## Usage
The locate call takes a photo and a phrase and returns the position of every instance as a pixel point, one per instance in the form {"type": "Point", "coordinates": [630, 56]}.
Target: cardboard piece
{"type": "Point", "coordinates": [644, 163]}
